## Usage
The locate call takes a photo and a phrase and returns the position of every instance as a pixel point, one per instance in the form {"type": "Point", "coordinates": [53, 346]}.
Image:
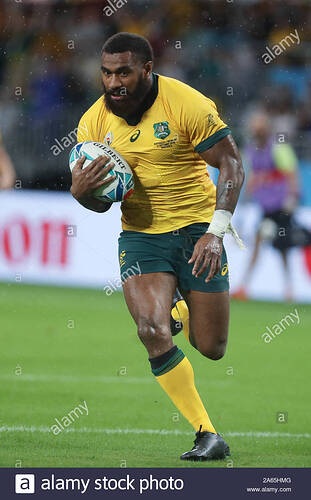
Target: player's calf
{"type": "Point", "coordinates": [212, 344]}
{"type": "Point", "coordinates": [213, 350]}
{"type": "Point", "coordinates": [209, 322]}
{"type": "Point", "coordinates": [209, 340]}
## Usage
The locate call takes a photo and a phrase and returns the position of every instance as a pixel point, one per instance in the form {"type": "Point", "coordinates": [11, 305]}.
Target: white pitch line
{"type": "Point", "coordinates": [22, 428]}
{"type": "Point", "coordinates": [78, 379]}
{"type": "Point", "coordinates": [106, 379]}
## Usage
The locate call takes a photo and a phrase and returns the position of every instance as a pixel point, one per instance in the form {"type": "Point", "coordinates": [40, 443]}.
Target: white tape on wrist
{"type": "Point", "coordinates": [221, 224]}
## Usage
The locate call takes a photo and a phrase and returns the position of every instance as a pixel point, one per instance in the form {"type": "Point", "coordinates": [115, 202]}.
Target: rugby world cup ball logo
{"type": "Point", "coordinates": [108, 138]}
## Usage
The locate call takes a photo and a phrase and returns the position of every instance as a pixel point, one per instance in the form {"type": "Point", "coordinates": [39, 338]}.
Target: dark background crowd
{"type": "Point", "coordinates": [49, 69]}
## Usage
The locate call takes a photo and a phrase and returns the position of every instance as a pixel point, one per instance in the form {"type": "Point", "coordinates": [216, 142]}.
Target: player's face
{"type": "Point", "coordinates": [126, 82]}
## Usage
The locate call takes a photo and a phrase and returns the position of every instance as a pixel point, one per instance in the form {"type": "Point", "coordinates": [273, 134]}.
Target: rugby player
{"type": "Point", "coordinates": [174, 223]}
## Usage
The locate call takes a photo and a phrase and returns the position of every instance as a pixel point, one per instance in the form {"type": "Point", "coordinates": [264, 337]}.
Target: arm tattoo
{"type": "Point", "coordinates": [230, 180]}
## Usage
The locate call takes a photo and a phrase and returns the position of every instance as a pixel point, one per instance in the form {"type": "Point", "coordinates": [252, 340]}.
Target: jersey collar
{"type": "Point", "coordinates": [135, 118]}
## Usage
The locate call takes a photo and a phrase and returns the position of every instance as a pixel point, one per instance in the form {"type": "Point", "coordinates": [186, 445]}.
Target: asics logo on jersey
{"type": "Point", "coordinates": [135, 135]}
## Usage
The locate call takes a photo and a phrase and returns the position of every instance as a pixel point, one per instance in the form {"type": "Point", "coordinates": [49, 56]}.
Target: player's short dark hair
{"type": "Point", "coordinates": [123, 42]}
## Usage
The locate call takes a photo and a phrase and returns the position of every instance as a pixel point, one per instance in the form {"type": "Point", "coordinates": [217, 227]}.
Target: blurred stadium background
{"type": "Point", "coordinates": [49, 71]}
{"type": "Point", "coordinates": [49, 75]}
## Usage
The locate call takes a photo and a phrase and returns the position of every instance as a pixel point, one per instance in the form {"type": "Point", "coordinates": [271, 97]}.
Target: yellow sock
{"type": "Point", "coordinates": [181, 313]}
{"type": "Point", "coordinates": [178, 383]}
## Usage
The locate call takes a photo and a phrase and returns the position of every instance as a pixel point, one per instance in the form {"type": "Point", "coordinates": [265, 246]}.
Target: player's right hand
{"type": "Point", "coordinates": [86, 180]}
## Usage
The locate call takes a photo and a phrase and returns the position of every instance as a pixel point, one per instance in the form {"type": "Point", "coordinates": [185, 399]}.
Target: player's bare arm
{"type": "Point", "coordinates": [86, 180]}
{"type": "Point", "coordinates": [225, 156]}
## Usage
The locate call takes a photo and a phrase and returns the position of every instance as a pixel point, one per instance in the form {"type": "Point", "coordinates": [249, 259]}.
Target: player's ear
{"type": "Point", "coordinates": [147, 68]}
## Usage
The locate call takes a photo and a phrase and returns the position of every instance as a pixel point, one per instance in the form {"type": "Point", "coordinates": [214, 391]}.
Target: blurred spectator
{"type": "Point", "coordinates": [304, 112]}
{"type": "Point", "coordinates": [273, 184]}
{"type": "Point", "coordinates": [7, 172]}
{"type": "Point", "coordinates": [283, 118]}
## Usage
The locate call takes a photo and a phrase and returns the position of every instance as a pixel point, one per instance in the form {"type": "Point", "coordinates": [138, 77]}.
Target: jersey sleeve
{"type": "Point", "coordinates": [85, 129]}
{"type": "Point", "coordinates": [199, 118]}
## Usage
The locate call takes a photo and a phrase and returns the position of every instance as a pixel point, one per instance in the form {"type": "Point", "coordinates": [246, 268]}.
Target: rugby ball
{"type": "Point", "coordinates": [123, 185]}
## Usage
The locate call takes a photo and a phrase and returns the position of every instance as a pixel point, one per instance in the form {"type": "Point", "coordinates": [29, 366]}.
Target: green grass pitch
{"type": "Point", "coordinates": [61, 347]}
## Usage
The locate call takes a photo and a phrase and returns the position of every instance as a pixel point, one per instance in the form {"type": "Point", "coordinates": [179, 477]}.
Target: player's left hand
{"type": "Point", "coordinates": [207, 252]}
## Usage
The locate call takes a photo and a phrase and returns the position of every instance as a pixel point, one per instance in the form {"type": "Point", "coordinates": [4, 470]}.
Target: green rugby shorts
{"type": "Point", "coordinates": [143, 253]}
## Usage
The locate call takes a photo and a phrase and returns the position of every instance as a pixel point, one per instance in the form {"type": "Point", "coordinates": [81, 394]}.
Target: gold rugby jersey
{"type": "Point", "coordinates": [161, 143]}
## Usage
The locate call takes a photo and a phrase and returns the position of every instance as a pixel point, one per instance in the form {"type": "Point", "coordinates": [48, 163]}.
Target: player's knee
{"type": "Point", "coordinates": [214, 352]}
{"type": "Point", "coordinates": [150, 330]}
